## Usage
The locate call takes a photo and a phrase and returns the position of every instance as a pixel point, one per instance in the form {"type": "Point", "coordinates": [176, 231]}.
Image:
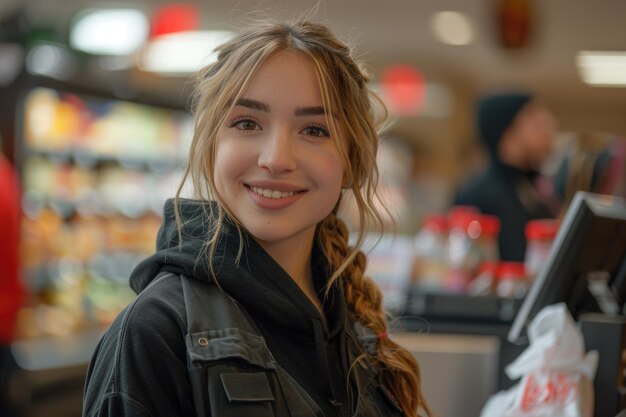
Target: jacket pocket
{"type": "Point", "coordinates": [240, 395]}
{"type": "Point", "coordinates": [247, 387]}
{"type": "Point", "coordinates": [247, 394]}
{"type": "Point", "coordinates": [231, 373]}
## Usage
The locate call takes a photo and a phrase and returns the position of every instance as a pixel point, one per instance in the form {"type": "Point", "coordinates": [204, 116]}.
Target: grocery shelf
{"type": "Point", "coordinates": [55, 352]}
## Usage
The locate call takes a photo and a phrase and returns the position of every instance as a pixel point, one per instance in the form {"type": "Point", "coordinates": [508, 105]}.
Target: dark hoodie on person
{"type": "Point", "coordinates": [503, 190]}
{"type": "Point", "coordinates": [139, 367]}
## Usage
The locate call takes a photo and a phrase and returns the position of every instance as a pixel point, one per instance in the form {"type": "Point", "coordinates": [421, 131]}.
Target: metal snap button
{"type": "Point", "coordinates": [203, 341]}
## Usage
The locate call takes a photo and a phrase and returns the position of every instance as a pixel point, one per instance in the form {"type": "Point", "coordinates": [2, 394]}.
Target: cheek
{"type": "Point", "coordinates": [229, 163]}
{"type": "Point", "coordinates": [331, 174]}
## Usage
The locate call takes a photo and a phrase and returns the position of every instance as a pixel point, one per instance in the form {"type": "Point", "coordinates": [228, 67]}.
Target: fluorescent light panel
{"type": "Point", "coordinates": [109, 31]}
{"type": "Point", "coordinates": [183, 52]}
{"type": "Point", "coordinates": [603, 68]}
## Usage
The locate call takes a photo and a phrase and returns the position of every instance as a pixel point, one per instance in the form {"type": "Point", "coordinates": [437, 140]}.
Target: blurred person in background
{"type": "Point", "coordinates": [517, 131]}
{"type": "Point", "coordinates": [11, 290]}
{"type": "Point", "coordinates": [595, 163]}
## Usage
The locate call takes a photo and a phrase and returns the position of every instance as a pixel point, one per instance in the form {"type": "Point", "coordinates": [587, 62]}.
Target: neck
{"type": "Point", "coordinates": [294, 256]}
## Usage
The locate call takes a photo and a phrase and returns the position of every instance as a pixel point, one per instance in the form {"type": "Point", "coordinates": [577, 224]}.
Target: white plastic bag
{"type": "Point", "coordinates": [557, 376]}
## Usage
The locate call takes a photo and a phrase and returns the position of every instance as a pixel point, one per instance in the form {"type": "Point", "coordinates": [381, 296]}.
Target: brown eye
{"type": "Point", "coordinates": [245, 124]}
{"type": "Point", "coordinates": [316, 131]}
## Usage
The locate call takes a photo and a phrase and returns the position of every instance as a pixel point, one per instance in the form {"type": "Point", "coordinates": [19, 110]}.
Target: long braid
{"type": "Point", "coordinates": [399, 369]}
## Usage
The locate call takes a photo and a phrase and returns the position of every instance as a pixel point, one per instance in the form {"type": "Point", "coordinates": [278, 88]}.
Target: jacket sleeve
{"type": "Point", "coordinates": [139, 367]}
{"type": "Point", "coordinates": [118, 405]}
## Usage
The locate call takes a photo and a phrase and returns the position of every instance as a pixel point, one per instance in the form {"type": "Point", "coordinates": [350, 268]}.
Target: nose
{"type": "Point", "coordinates": [278, 153]}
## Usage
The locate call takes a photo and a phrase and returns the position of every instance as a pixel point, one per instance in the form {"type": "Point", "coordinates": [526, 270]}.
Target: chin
{"type": "Point", "coordinates": [276, 234]}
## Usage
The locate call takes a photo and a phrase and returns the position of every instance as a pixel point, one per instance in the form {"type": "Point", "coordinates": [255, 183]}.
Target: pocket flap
{"type": "Point", "coordinates": [217, 345]}
{"type": "Point", "coordinates": [247, 387]}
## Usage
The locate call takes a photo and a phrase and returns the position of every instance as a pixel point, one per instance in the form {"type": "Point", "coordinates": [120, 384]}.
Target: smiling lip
{"type": "Point", "coordinates": [273, 196]}
{"type": "Point", "coordinates": [269, 193]}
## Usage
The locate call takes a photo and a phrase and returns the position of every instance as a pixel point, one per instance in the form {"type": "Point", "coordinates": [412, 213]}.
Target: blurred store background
{"type": "Point", "coordinates": [94, 99]}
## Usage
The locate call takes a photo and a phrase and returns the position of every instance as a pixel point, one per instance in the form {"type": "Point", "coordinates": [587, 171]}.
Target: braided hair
{"type": "Point", "coordinates": [399, 369]}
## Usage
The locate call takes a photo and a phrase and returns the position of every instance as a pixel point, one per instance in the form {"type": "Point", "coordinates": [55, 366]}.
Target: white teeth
{"type": "Point", "coordinates": [272, 193]}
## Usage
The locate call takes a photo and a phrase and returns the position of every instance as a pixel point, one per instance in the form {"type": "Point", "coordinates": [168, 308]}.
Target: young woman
{"type": "Point", "coordinates": [285, 124]}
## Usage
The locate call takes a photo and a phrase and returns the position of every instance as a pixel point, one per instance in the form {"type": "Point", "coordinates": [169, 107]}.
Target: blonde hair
{"type": "Point", "coordinates": [358, 114]}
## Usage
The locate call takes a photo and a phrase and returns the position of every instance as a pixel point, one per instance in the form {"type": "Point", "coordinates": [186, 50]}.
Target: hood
{"type": "Point", "coordinates": [178, 254]}
{"type": "Point", "coordinates": [257, 282]}
{"type": "Point", "coordinates": [495, 113]}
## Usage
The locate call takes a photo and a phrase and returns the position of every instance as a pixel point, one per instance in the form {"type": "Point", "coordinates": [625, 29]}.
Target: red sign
{"type": "Point", "coordinates": [403, 89]}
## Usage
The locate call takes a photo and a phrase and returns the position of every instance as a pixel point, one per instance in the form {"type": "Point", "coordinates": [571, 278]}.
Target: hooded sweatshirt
{"type": "Point", "coordinates": [496, 191]}
{"type": "Point", "coordinates": [139, 367]}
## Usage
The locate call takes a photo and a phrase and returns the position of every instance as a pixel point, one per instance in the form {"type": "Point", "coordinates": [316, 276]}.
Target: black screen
{"type": "Point", "coordinates": [590, 247]}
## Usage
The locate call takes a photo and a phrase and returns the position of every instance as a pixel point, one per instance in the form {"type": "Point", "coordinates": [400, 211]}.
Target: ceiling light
{"type": "Point", "coordinates": [607, 68]}
{"type": "Point", "coordinates": [452, 28]}
{"type": "Point", "coordinates": [182, 52]}
{"type": "Point", "coordinates": [109, 31]}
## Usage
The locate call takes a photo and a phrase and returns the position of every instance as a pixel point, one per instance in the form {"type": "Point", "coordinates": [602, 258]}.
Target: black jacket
{"type": "Point", "coordinates": [139, 367]}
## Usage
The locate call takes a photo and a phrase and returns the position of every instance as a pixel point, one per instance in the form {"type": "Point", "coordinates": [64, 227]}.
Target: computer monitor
{"type": "Point", "coordinates": [586, 267]}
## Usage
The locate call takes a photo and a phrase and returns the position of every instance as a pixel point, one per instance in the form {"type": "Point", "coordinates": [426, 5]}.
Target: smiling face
{"type": "Point", "coordinates": [277, 165]}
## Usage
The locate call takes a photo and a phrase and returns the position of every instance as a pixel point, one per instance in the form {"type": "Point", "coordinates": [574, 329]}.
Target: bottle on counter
{"type": "Point", "coordinates": [430, 253]}
{"type": "Point", "coordinates": [487, 237]}
{"type": "Point", "coordinates": [485, 281]}
{"type": "Point", "coordinates": [511, 280]}
{"type": "Point", "coordinates": [463, 253]}
{"type": "Point", "coordinates": [539, 236]}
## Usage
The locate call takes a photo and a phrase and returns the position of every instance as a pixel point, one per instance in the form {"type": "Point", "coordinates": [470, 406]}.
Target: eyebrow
{"type": "Point", "coordinates": [310, 111]}
{"type": "Point", "coordinates": [264, 107]}
{"type": "Point", "coordinates": [253, 104]}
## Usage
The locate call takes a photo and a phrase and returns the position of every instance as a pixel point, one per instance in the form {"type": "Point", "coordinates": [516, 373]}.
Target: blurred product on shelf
{"type": "Point", "coordinates": [104, 191]}
{"type": "Point", "coordinates": [457, 253]}
{"type": "Point", "coordinates": [512, 280]}
{"type": "Point", "coordinates": [72, 125]}
{"type": "Point", "coordinates": [487, 237]}
{"type": "Point", "coordinates": [76, 268]}
{"type": "Point", "coordinates": [539, 236]}
{"type": "Point", "coordinates": [430, 266]}
{"type": "Point", "coordinates": [96, 173]}
{"type": "Point", "coordinates": [472, 240]}
{"type": "Point", "coordinates": [485, 281]}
